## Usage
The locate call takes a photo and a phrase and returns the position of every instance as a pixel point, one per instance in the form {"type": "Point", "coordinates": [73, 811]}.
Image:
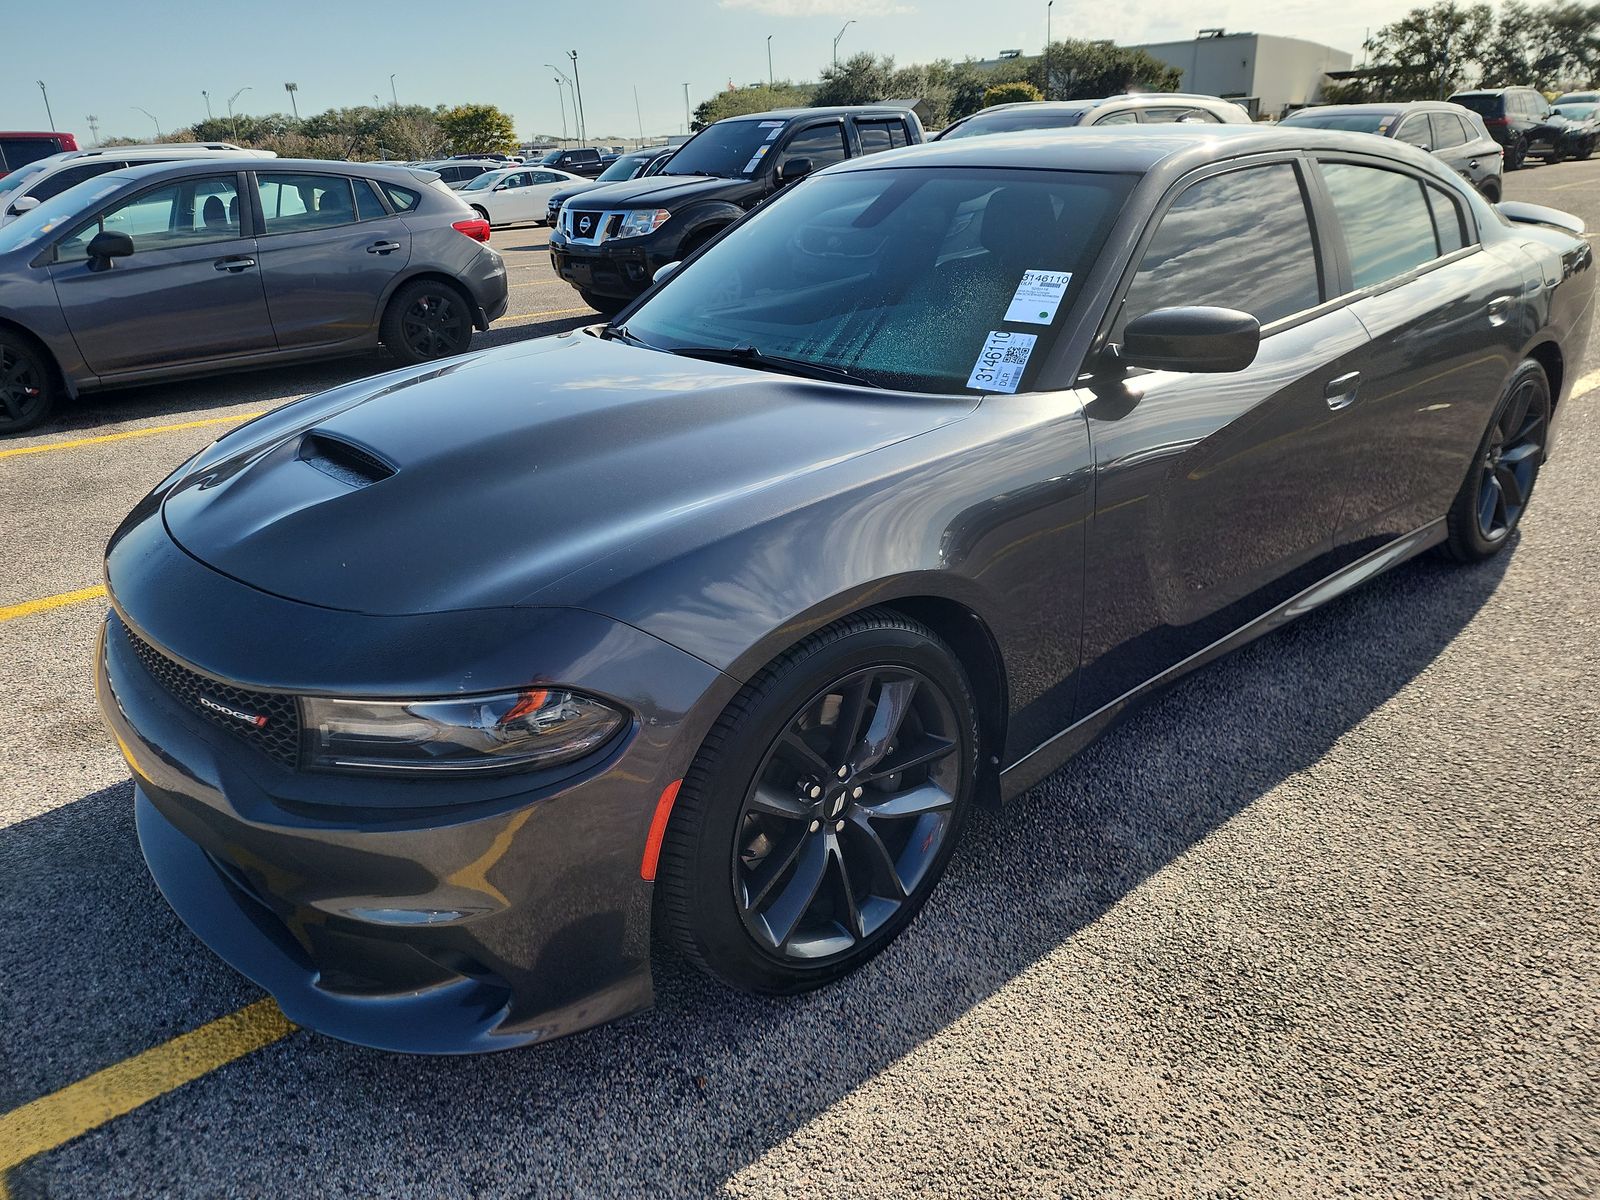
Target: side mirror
{"type": "Point", "coordinates": [500, 187]}
{"type": "Point", "coordinates": [794, 169]}
{"type": "Point", "coordinates": [665, 271]}
{"type": "Point", "coordinates": [24, 204]}
{"type": "Point", "coordinates": [109, 244]}
{"type": "Point", "coordinates": [1199, 339]}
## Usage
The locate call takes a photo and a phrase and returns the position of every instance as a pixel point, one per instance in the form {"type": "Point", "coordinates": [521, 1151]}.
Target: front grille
{"type": "Point", "coordinates": [587, 224]}
{"type": "Point", "coordinates": [268, 721]}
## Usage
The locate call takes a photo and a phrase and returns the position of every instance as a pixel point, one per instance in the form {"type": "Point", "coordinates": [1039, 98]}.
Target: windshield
{"type": "Point", "coordinates": [550, 159]}
{"type": "Point", "coordinates": [1013, 121]}
{"type": "Point", "coordinates": [21, 176]}
{"type": "Point", "coordinates": [57, 211]}
{"type": "Point", "coordinates": [1579, 98]}
{"type": "Point", "coordinates": [928, 280]}
{"type": "Point", "coordinates": [487, 179]}
{"type": "Point", "coordinates": [625, 167]}
{"type": "Point", "coordinates": [1577, 112]}
{"type": "Point", "coordinates": [729, 149]}
{"type": "Point", "coordinates": [1356, 122]}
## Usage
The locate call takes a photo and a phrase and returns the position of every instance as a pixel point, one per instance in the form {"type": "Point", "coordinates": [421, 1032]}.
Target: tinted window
{"type": "Point", "coordinates": [822, 144]}
{"type": "Point", "coordinates": [1169, 116]}
{"type": "Point", "coordinates": [1354, 122]}
{"type": "Point", "coordinates": [1238, 240]}
{"type": "Point", "coordinates": [62, 180]}
{"type": "Point", "coordinates": [1484, 106]}
{"type": "Point", "coordinates": [1447, 220]}
{"type": "Point", "coordinates": [902, 276]}
{"type": "Point", "coordinates": [403, 199]}
{"type": "Point", "coordinates": [1447, 130]}
{"type": "Point", "coordinates": [1128, 117]}
{"type": "Point", "coordinates": [1014, 120]}
{"type": "Point", "coordinates": [19, 152]}
{"type": "Point", "coordinates": [727, 149]}
{"type": "Point", "coordinates": [368, 205]}
{"type": "Point", "coordinates": [291, 203]}
{"type": "Point", "coordinates": [1415, 130]}
{"type": "Point", "coordinates": [625, 167]}
{"type": "Point", "coordinates": [545, 177]}
{"type": "Point", "coordinates": [1387, 226]}
{"type": "Point", "coordinates": [874, 136]}
{"type": "Point", "coordinates": [189, 212]}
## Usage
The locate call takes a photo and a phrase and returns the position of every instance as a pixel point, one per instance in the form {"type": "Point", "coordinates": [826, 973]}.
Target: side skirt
{"type": "Point", "coordinates": [1046, 757]}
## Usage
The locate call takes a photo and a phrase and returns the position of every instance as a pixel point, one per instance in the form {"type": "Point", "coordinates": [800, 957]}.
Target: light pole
{"type": "Point", "coordinates": [207, 95]}
{"type": "Point", "coordinates": [1047, 9]}
{"type": "Point", "coordinates": [94, 127]}
{"type": "Point", "coordinates": [43, 92]}
{"type": "Point", "coordinates": [847, 25]}
{"type": "Point", "coordinates": [233, 120]}
{"type": "Point", "coordinates": [152, 117]}
{"type": "Point", "coordinates": [561, 97]}
{"type": "Point", "coordinates": [769, 62]}
{"type": "Point", "coordinates": [636, 115]}
{"type": "Point", "coordinates": [294, 107]}
{"type": "Point", "coordinates": [577, 87]}
{"type": "Point", "coordinates": [393, 95]}
{"type": "Point", "coordinates": [687, 119]}
{"type": "Point", "coordinates": [564, 79]}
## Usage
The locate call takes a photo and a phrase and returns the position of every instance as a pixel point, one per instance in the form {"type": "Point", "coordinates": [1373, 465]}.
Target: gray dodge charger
{"type": "Point", "coordinates": [447, 693]}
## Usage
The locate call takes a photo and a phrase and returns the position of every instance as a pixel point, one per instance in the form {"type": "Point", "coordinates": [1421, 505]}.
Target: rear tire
{"type": "Point", "coordinates": [1499, 484]}
{"type": "Point", "coordinates": [1585, 150]}
{"type": "Point", "coordinates": [29, 386]}
{"type": "Point", "coordinates": [779, 874]}
{"type": "Point", "coordinates": [427, 319]}
{"type": "Point", "coordinates": [1491, 191]}
{"type": "Point", "coordinates": [1516, 153]}
{"type": "Point", "coordinates": [484, 213]}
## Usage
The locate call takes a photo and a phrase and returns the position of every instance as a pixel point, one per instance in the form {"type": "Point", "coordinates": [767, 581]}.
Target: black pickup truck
{"type": "Point", "coordinates": [610, 240]}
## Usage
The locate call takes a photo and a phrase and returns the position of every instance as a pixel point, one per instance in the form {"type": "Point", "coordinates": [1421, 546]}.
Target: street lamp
{"type": "Point", "coordinates": [233, 120]}
{"type": "Point", "coordinates": [687, 120]}
{"type": "Point", "coordinates": [769, 62]}
{"type": "Point", "coordinates": [1047, 9]}
{"type": "Point", "coordinates": [43, 92]}
{"type": "Point", "coordinates": [294, 107]}
{"type": "Point", "coordinates": [561, 97]}
{"type": "Point", "coordinates": [94, 127]}
{"type": "Point", "coordinates": [207, 95]}
{"type": "Point", "coordinates": [152, 117]}
{"type": "Point", "coordinates": [393, 95]}
{"type": "Point", "coordinates": [577, 87]}
{"type": "Point", "coordinates": [847, 25]}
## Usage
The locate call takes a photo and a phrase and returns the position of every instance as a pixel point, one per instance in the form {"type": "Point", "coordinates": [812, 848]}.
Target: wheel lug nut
{"type": "Point", "coordinates": [815, 793]}
{"type": "Point", "coordinates": [856, 795]}
{"type": "Point", "coordinates": [838, 826]}
{"type": "Point", "coordinates": [816, 825]}
{"type": "Point", "coordinates": [843, 771]}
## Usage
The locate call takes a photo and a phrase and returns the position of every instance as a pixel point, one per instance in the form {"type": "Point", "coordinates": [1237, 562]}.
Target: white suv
{"type": "Point", "coordinates": [30, 186]}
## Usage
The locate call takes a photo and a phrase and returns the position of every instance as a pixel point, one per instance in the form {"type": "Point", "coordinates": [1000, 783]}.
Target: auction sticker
{"type": "Point", "coordinates": [1001, 362]}
{"type": "Point", "coordinates": [1038, 296]}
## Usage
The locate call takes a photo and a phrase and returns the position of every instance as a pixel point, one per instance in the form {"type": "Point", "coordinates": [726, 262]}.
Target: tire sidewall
{"type": "Point", "coordinates": [46, 371]}
{"type": "Point", "coordinates": [722, 941]}
{"type": "Point", "coordinates": [390, 332]}
{"type": "Point", "coordinates": [1467, 541]}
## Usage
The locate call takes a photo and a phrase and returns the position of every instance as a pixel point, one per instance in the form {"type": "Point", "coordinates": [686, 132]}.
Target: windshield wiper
{"type": "Point", "coordinates": [620, 333]}
{"type": "Point", "coordinates": [749, 356]}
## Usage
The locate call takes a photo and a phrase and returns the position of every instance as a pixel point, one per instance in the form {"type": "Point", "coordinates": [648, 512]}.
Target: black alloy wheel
{"type": "Point", "coordinates": [427, 320]}
{"type": "Point", "coordinates": [1498, 489]}
{"type": "Point", "coordinates": [1516, 152]}
{"type": "Point", "coordinates": [822, 808]}
{"type": "Point", "coordinates": [847, 814]}
{"type": "Point", "coordinates": [27, 386]}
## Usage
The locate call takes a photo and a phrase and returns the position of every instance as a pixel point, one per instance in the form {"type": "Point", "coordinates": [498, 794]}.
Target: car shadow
{"type": "Point", "coordinates": [96, 967]}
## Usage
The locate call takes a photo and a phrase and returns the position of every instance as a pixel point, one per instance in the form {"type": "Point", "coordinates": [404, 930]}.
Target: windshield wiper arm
{"type": "Point", "coordinates": [749, 356]}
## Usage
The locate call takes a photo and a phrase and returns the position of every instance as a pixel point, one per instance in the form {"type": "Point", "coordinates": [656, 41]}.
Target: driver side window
{"type": "Point", "coordinates": [822, 144]}
{"type": "Point", "coordinates": [189, 212]}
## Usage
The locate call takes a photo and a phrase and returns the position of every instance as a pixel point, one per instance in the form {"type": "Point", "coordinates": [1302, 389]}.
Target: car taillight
{"type": "Point", "coordinates": [1495, 121]}
{"type": "Point", "coordinates": [475, 228]}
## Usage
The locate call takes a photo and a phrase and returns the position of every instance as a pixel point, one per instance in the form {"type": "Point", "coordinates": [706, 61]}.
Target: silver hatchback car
{"type": "Point", "coordinates": [191, 267]}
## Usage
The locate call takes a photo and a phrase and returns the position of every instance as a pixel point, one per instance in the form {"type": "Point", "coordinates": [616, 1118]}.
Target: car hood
{"type": "Point", "coordinates": [485, 482]}
{"type": "Point", "coordinates": [664, 189]}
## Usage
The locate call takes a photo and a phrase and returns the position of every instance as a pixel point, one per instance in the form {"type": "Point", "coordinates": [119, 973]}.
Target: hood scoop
{"type": "Point", "coordinates": [351, 464]}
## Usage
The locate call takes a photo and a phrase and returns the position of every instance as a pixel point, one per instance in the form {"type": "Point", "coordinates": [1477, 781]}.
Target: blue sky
{"type": "Point", "coordinates": [110, 57]}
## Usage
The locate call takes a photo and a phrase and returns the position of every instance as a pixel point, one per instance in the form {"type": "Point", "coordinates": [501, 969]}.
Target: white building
{"type": "Point", "coordinates": [1268, 74]}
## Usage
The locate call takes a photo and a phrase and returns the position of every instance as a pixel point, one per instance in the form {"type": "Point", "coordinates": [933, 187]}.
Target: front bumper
{"type": "Point", "coordinates": [412, 915]}
{"type": "Point", "coordinates": [619, 269]}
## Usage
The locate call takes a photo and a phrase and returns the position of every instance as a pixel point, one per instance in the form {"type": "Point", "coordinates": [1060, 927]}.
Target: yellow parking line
{"type": "Point", "coordinates": [45, 603]}
{"type": "Point", "coordinates": [56, 1119]}
{"type": "Point", "coordinates": [1587, 384]}
{"type": "Point", "coordinates": [532, 317]}
{"type": "Point", "coordinates": [129, 433]}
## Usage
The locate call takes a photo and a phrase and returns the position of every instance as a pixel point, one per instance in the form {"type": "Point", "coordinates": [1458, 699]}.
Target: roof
{"type": "Point", "coordinates": [838, 110]}
{"type": "Point", "coordinates": [1380, 106]}
{"type": "Point", "coordinates": [1134, 149]}
{"type": "Point", "coordinates": [178, 167]}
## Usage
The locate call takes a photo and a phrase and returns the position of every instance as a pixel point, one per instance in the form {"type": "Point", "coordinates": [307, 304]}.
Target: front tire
{"type": "Point", "coordinates": [1516, 152]}
{"type": "Point", "coordinates": [606, 306]}
{"type": "Point", "coordinates": [1497, 489]}
{"type": "Point", "coordinates": [28, 384]}
{"type": "Point", "coordinates": [1585, 150]}
{"type": "Point", "coordinates": [426, 319]}
{"type": "Point", "coordinates": [822, 808]}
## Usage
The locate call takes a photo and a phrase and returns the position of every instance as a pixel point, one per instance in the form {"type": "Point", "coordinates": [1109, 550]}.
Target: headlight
{"type": "Point", "coordinates": [539, 727]}
{"type": "Point", "coordinates": [637, 224]}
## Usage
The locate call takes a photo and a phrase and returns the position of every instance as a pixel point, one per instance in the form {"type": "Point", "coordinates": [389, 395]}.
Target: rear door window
{"type": "Point", "coordinates": [1414, 130]}
{"type": "Point", "coordinates": [368, 206]}
{"type": "Point", "coordinates": [1388, 227]}
{"type": "Point", "coordinates": [1447, 130]}
{"type": "Point", "coordinates": [1126, 117]}
{"type": "Point", "coordinates": [1448, 222]}
{"type": "Point", "coordinates": [874, 137]}
{"type": "Point", "coordinates": [291, 203]}
{"type": "Point", "coordinates": [1240, 240]}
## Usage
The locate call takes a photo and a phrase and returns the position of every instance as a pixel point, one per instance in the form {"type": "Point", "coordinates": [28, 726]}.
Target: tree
{"type": "Point", "coordinates": [860, 79]}
{"type": "Point", "coordinates": [478, 129]}
{"type": "Point", "coordinates": [1081, 70]}
{"type": "Point", "coordinates": [741, 102]}
{"type": "Point", "coordinates": [1010, 93]}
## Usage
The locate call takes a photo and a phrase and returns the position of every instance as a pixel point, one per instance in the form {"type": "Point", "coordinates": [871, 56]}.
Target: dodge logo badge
{"type": "Point", "coordinates": [251, 719]}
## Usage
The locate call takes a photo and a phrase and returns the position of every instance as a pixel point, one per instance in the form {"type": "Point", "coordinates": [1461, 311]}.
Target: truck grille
{"type": "Point", "coordinates": [269, 721]}
{"type": "Point", "coordinates": [588, 225]}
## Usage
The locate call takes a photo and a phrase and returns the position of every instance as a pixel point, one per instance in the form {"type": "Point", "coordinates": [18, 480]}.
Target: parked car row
{"type": "Point", "coordinates": [232, 259]}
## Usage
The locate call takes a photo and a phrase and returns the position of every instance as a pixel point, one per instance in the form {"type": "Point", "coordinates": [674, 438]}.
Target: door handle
{"type": "Point", "coordinates": [1341, 392]}
{"type": "Point", "coordinates": [382, 247]}
{"type": "Point", "coordinates": [1498, 309]}
{"type": "Point", "coordinates": [235, 264]}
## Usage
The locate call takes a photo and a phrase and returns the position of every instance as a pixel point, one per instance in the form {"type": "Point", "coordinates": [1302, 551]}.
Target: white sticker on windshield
{"type": "Point", "coordinates": [1038, 296]}
{"type": "Point", "coordinates": [774, 133]}
{"type": "Point", "coordinates": [771, 125]}
{"type": "Point", "coordinates": [1001, 362]}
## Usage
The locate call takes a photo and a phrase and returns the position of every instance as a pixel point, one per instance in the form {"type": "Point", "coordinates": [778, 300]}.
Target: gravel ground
{"type": "Point", "coordinates": [1322, 921]}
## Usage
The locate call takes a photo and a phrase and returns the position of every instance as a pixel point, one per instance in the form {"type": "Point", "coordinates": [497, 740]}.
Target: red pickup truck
{"type": "Point", "coordinates": [19, 149]}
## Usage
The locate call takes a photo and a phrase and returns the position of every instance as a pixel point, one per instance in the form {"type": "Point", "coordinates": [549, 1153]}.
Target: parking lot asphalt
{"type": "Point", "coordinates": [1324, 920]}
